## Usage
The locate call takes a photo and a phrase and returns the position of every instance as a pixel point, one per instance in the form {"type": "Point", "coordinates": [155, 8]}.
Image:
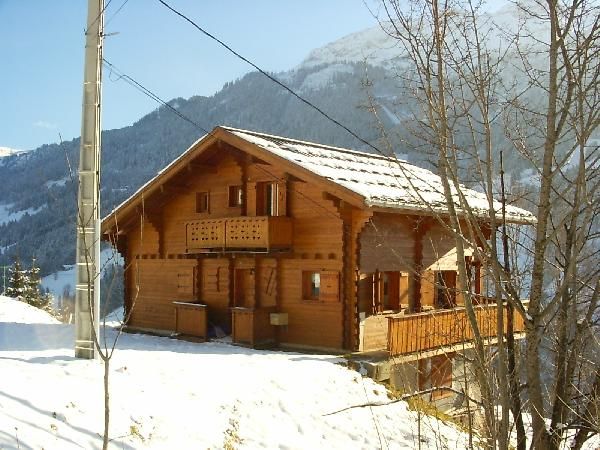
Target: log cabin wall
{"type": "Point", "coordinates": [142, 240]}
{"type": "Point", "coordinates": [317, 247]}
{"type": "Point", "coordinates": [181, 207]}
{"type": "Point", "coordinates": [387, 244]}
{"type": "Point", "coordinates": [153, 285]}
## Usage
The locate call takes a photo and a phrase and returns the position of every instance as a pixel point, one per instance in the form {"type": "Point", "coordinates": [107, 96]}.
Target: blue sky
{"type": "Point", "coordinates": [42, 46]}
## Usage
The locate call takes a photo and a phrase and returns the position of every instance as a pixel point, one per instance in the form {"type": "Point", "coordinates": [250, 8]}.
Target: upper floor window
{"type": "Point", "coordinates": [202, 202]}
{"type": "Point", "coordinates": [235, 196]}
{"type": "Point", "coordinates": [267, 199]}
{"type": "Point", "coordinates": [445, 289]}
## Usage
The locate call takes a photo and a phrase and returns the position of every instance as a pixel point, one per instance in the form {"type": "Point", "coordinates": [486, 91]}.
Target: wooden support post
{"type": "Point", "coordinates": [278, 294]}
{"type": "Point", "coordinates": [354, 221]}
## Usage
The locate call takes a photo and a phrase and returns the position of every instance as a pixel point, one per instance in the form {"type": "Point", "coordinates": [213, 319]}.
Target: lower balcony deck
{"type": "Point", "coordinates": [413, 333]}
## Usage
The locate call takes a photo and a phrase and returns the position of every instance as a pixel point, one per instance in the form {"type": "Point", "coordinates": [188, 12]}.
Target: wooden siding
{"type": "Point", "coordinates": [311, 322]}
{"type": "Point", "coordinates": [386, 244]}
{"type": "Point", "coordinates": [418, 332]}
{"type": "Point", "coordinates": [181, 206]}
{"type": "Point", "coordinates": [158, 281]}
{"type": "Point", "coordinates": [142, 240]}
{"type": "Point", "coordinates": [214, 290]}
{"type": "Point", "coordinates": [374, 333]}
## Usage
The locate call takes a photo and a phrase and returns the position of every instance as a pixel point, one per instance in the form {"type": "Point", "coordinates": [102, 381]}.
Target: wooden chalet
{"type": "Point", "coordinates": [291, 243]}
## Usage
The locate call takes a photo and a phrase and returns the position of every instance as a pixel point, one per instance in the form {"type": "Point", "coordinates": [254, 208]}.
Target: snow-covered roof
{"type": "Point", "coordinates": [382, 181]}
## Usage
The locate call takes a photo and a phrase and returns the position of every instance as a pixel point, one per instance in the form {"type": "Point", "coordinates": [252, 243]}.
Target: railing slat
{"type": "Point", "coordinates": [418, 332]}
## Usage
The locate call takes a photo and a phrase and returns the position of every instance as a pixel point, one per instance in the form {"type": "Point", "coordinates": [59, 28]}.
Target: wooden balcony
{"type": "Point", "coordinates": [238, 233]}
{"type": "Point", "coordinates": [410, 333]}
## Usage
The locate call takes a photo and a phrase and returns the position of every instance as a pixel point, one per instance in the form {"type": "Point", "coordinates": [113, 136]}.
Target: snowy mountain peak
{"type": "Point", "coordinates": [6, 151]}
{"type": "Point", "coordinates": [372, 45]}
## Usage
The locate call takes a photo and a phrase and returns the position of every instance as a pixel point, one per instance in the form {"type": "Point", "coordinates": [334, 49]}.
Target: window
{"type": "Point", "coordinates": [311, 285]}
{"type": "Point", "coordinates": [202, 202]}
{"type": "Point", "coordinates": [235, 196]}
{"type": "Point", "coordinates": [323, 286]}
{"type": "Point", "coordinates": [445, 289]}
{"type": "Point", "coordinates": [267, 194]}
{"type": "Point", "coordinates": [436, 372]}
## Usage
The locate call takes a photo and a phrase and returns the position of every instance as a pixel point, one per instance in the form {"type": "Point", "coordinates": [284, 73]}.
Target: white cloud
{"type": "Point", "coordinates": [46, 125]}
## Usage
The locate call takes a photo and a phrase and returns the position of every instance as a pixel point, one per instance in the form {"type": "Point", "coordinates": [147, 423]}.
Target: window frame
{"type": "Point", "coordinates": [267, 198]}
{"type": "Point", "coordinates": [235, 196]}
{"type": "Point", "coordinates": [308, 286]}
{"type": "Point", "coordinates": [437, 372]}
{"type": "Point", "coordinates": [203, 202]}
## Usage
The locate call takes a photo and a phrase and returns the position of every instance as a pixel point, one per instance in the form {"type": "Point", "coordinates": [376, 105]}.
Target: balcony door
{"type": "Point", "coordinates": [270, 198]}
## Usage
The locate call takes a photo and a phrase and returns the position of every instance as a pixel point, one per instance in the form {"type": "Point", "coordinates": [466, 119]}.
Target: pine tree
{"type": "Point", "coordinates": [33, 294]}
{"type": "Point", "coordinates": [17, 281]}
{"type": "Point", "coordinates": [24, 284]}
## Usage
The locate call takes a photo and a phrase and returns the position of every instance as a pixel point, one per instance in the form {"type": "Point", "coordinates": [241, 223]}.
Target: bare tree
{"type": "Point", "coordinates": [529, 91]}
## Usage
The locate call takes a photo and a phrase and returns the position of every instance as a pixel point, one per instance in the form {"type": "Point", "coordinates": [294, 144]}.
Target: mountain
{"type": "Point", "coordinates": [40, 187]}
{"type": "Point", "coordinates": [343, 78]}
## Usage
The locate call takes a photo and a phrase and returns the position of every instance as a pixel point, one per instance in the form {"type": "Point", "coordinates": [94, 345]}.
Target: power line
{"type": "Point", "coordinates": [270, 77]}
{"type": "Point", "coordinates": [143, 89]}
{"type": "Point", "coordinates": [98, 16]}
{"type": "Point", "coordinates": [116, 12]}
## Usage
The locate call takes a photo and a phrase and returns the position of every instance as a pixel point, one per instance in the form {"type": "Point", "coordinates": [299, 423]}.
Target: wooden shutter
{"type": "Point", "coordinates": [282, 198]}
{"type": "Point", "coordinates": [427, 288]}
{"type": "Point", "coordinates": [330, 286]}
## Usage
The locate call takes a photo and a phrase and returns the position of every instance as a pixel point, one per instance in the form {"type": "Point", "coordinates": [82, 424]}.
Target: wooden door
{"type": "Point", "coordinates": [244, 288]}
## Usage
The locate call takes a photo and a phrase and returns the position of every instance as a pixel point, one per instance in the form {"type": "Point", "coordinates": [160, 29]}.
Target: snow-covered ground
{"type": "Point", "coordinates": [169, 394]}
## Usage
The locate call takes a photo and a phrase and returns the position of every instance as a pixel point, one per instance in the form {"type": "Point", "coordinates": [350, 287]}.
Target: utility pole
{"type": "Point", "coordinates": [4, 279]}
{"type": "Point", "coordinates": [87, 288]}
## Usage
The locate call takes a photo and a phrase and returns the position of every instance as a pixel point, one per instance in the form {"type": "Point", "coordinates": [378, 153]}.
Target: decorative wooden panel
{"type": "Point", "coordinates": [207, 233]}
{"type": "Point", "coordinates": [247, 232]}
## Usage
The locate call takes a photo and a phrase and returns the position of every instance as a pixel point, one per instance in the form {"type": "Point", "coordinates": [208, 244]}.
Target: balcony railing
{"type": "Point", "coordinates": [236, 233]}
{"type": "Point", "coordinates": [424, 331]}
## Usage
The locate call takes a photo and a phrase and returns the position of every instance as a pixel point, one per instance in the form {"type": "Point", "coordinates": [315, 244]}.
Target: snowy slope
{"type": "Point", "coordinates": [372, 45]}
{"type": "Point", "coordinates": [169, 394]}
{"type": "Point", "coordinates": [6, 151]}
{"type": "Point", "coordinates": [57, 282]}
{"type": "Point", "coordinates": [7, 215]}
